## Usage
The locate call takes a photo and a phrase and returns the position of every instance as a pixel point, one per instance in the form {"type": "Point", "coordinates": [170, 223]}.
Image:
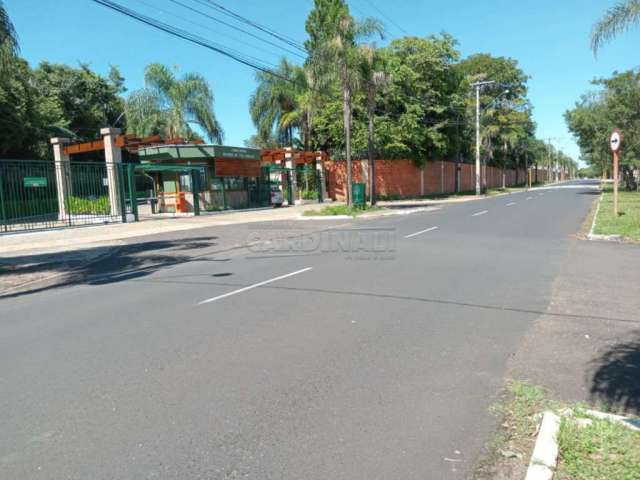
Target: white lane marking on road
{"type": "Point", "coordinates": [255, 285]}
{"type": "Point", "coordinates": [529, 198]}
{"type": "Point", "coordinates": [421, 232]}
{"type": "Point", "coordinates": [511, 204]}
{"type": "Point", "coordinates": [480, 213]}
{"type": "Point", "coordinates": [541, 194]}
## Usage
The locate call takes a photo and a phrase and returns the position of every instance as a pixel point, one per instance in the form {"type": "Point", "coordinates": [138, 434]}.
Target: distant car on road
{"type": "Point", "coordinates": [277, 198]}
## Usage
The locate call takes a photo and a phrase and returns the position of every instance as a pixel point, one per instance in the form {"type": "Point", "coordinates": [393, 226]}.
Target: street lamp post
{"type": "Point", "coordinates": [478, 86]}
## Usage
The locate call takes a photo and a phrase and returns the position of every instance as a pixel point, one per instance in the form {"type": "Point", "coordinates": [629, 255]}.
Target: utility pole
{"type": "Point", "coordinates": [478, 86]}
{"type": "Point", "coordinates": [549, 160]}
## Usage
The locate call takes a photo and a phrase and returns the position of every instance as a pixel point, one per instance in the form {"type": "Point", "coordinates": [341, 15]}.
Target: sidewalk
{"type": "Point", "coordinates": [70, 239]}
{"type": "Point", "coordinates": [587, 346]}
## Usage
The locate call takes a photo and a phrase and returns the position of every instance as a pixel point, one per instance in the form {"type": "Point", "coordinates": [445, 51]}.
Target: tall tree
{"type": "Point", "coordinates": [333, 42]}
{"type": "Point", "coordinates": [171, 105]}
{"type": "Point", "coordinates": [277, 105]}
{"type": "Point", "coordinates": [373, 79]}
{"type": "Point", "coordinates": [615, 21]}
{"type": "Point", "coordinates": [8, 38]}
{"type": "Point", "coordinates": [88, 100]}
{"type": "Point", "coordinates": [506, 118]}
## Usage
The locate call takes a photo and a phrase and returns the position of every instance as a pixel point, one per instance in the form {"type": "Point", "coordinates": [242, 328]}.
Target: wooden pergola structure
{"type": "Point", "coordinates": [128, 142]}
{"type": "Point", "coordinates": [281, 155]}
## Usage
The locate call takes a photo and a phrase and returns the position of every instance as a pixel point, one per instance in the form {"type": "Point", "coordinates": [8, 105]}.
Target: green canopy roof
{"type": "Point", "coordinates": [175, 153]}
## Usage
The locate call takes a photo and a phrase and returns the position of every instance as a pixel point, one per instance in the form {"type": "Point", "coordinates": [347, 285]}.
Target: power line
{"type": "Point", "coordinates": [235, 27]}
{"type": "Point", "coordinates": [184, 35]}
{"type": "Point", "coordinates": [235, 39]}
{"type": "Point", "coordinates": [393, 22]}
{"type": "Point", "coordinates": [238, 17]}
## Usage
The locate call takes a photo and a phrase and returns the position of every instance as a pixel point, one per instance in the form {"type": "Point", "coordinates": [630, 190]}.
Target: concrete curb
{"type": "Point", "coordinates": [368, 216]}
{"type": "Point", "coordinates": [544, 458]}
{"type": "Point", "coordinates": [631, 423]}
{"type": "Point", "coordinates": [325, 217]}
{"type": "Point", "coordinates": [545, 453]}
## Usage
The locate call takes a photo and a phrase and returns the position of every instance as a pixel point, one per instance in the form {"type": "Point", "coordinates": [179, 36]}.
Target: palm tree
{"type": "Point", "coordinates": [346, 54]}
{"type": "Point", "coordinates": [276, 105]}
{"type": "Point", "coordinates": [8, 38]}
{"type": "Point", "coordinates": [615, 21]}
{"type": "Point", "coordinates": [171, 105]}
{"type": "Point", "coordinates": [373, 79]}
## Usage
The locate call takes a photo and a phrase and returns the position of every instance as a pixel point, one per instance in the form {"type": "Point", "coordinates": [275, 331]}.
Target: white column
{"type": "Point", "coordinates": [113, 159]}
{"type": "Point", "coordinates": [290, 163]}
{"type": "Point", "coordinates": [63, 174]}
{"type": "Point", "coordinates": [321, 178]}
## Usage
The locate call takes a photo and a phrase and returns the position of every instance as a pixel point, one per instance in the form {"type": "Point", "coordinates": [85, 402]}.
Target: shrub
{"type": "Point", "coordinates": [89, 206]}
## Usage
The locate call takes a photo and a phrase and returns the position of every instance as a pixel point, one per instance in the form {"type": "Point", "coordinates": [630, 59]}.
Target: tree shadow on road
{"type": "Point", "coordinates": [100, 265]}
{"type": "Point", "coordinates": [616, 378]}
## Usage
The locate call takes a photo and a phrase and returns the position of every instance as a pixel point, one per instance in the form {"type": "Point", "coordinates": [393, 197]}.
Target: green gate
{"type": "Point", "coordinates": [30, 200]}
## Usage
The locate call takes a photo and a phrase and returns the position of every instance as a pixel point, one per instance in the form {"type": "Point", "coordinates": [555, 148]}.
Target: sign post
{"type": "Point", "coordinates": [616, 143]}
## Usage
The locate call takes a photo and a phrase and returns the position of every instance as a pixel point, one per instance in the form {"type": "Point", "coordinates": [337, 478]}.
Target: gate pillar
{"type": "Point", "coordinates": [113, 159]}
{"type": "Point", "coordinates": [290, 163]}
{"type": "Point", "coordinates": [321, 178]}
{"type": "Point", "coordinates": [63, 175]}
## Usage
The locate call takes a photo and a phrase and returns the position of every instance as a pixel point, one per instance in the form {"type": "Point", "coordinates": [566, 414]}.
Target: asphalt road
{"type": "Point", "coordinates": [371, 350]}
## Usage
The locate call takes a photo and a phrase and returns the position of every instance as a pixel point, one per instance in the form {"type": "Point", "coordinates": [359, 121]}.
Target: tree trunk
{"type": "Point", "coordinates": [346, 96]}
{"type": "Point", "coordinates": [372, 161]}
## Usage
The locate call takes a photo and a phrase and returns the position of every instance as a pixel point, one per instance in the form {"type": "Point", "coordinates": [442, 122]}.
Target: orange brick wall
{"type": "Point", "coordinates": [403, 178]}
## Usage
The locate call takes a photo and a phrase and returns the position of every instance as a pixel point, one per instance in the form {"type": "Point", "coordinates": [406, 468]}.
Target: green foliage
{"type": "Point", "coordinates": [89, 206]}
{"type": "Point", "coordinates": [168, 105]}
{"type": "Point", "coordinates": [333, 210]}
{"type": "Point", "coordinates": [28, 117]}
{"type": "Point", "coordinates": [627, 224]}
{"type": "Point", "coordinates": [601, 450]}
{"type": "Point", "coordinates": [615, 21]}
{"type": "Point", "coordinates": [8, 39]}
{"type": "Point", "coordinates": [52, 100]}
{"type": "Point", "coordinates": [597, 113]}
{"type": "Point", "coordinates": [277, 107]}
{"type": "Point", "coordinates": [416, 91]}
{"type": "Point", "coordinates": [87, 100]}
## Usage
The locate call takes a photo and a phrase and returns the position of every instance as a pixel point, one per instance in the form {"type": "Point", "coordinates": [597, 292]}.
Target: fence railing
{"type": "Point", "coordinates": [38, 195]}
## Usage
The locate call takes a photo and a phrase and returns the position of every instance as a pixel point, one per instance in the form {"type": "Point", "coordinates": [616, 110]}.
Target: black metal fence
{"type": "Point", "coordinates": [38, 195]}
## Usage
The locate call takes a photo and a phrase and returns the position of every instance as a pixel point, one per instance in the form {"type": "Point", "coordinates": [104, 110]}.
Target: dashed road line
{"type": "Point", "coordinates": [511, 204]}
{"type": "Point", "coordinates": [477, 214]}
{"type": "Point", "coordinates": [529, 198]}
{"type": "Point", "coordinates": [421, 232]}
{"type": "Point", "coordinates": [255, 285]}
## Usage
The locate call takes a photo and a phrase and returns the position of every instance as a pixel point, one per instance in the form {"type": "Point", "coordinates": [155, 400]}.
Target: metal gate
{"type": "Point", "coordinates": [37, 195]}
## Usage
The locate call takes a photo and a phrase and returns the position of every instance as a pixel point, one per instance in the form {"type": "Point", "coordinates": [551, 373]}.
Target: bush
{"type": "Point", "coordinates": [89, 206]}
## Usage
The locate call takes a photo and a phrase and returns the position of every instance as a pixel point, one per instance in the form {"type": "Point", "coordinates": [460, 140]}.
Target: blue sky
{"type": "Point", "coordinates": [549, 38]}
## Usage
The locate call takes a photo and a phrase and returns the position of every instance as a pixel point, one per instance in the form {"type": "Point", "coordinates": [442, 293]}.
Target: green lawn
{"type": "Point", "coordinates": [333, 210]}
{"type": "Point", "coordinates": [601, 450]}
{"type": "Point", "coordinates": [628, 222]}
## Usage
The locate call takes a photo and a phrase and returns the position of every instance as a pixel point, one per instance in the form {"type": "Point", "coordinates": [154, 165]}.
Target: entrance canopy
{"type": "Point", "coordinates": [226, 161]}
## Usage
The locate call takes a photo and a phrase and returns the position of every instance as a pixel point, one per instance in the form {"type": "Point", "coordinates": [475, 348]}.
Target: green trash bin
{"type": "Point", "coordinates": [358, 194]}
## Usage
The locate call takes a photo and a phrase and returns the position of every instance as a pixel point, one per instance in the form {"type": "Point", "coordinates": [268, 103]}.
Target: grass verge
{"type": "Point", "coordinates": [627, 224]}
{"type": "Point", "coordinates": [333, 210]}
{"type": "Point", "coordinates": [601, 450]}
